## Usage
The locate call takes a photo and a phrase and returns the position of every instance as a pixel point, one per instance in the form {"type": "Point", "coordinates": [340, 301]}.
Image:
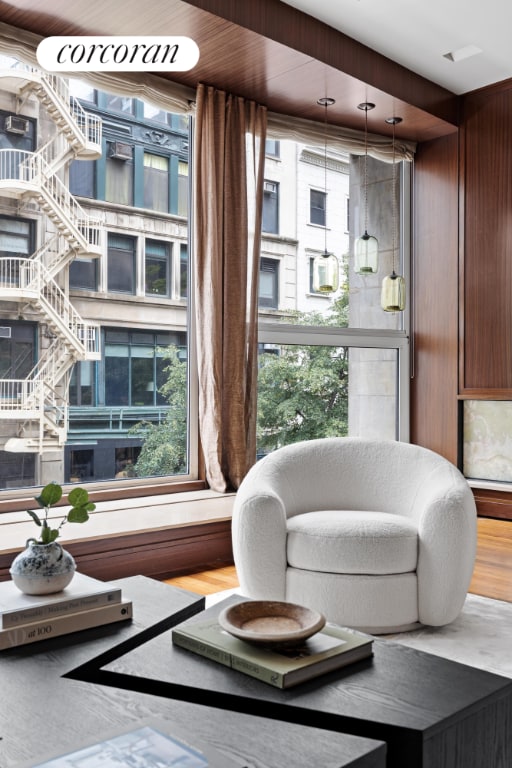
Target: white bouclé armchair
{"type": "Point", "coordinates": [377, 535]}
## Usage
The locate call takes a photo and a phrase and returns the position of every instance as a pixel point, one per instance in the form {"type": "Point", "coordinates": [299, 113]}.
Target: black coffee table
{"type": "Point", "coordinates": [433, 713]}
{"type": "Point", "coordinates": [50, 702]}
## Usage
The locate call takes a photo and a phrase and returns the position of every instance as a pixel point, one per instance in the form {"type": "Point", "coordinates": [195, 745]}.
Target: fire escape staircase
{"type": "Point", "coordinates": [39, 402]}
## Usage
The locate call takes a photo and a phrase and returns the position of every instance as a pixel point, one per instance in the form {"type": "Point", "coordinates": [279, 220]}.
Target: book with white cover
{"type": "Point", "coordinates": [82, 594]}
{"type": "Point", "coordinates": [64, 625]}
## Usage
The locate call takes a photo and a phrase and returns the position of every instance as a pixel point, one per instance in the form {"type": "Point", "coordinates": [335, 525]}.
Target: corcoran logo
{"type": "Point", "coordinates": [117, 54]}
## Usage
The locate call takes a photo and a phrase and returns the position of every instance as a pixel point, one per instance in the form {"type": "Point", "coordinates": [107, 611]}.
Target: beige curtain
{"type": "Point", "coordinates": [229, 155]}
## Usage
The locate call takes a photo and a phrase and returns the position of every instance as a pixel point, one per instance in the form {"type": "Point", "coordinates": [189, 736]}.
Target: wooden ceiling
{"type": "Point", "coordinates": [264, 50]}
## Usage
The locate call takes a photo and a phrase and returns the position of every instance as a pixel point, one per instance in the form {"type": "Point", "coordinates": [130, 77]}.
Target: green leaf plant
{"type": "Point", "coordinates": [51, 495]}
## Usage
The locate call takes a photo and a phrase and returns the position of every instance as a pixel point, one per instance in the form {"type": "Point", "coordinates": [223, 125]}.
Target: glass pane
{"type": "Point", "coordinates": [142, 379]}
{"type": "Point", "coordinates": [83, 274]}
{"type": "Point", "coordinates": [307, 392]}
{"type": "Point", "coordinates": [317, 209]}
{"type": "Point", "coordinates": [119, 181]}
{"type": "Point", "coordinates": [183, 271]}
{"type": "Point", "coordinates": [156, 182]}
{"type": "Point", "coordinates": [156, 276]}
{"type": "Point", "coordinates": [121, 264]}
{"type": "Point", "coordinates": [117, 384]}
{"type": "Point", "coordinates": [120, 103]}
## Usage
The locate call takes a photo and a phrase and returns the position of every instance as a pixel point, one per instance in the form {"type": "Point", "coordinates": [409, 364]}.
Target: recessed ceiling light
{"type": "Point", "coordinates": [463, 53]}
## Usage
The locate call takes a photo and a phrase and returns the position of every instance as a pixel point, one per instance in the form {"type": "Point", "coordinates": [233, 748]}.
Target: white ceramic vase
{"type": "Point", "coordinates": [42, 569]}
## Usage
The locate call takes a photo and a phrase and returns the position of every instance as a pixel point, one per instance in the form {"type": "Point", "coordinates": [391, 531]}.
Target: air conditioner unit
{"type": "Point", "coordinates": [270, 186]}
{"type": "Point", "coordinates": [5, 332]}
{"type": "Point", "coordinates": [121, 151]}
{"type": "Point", "coordinates": [15, 124]}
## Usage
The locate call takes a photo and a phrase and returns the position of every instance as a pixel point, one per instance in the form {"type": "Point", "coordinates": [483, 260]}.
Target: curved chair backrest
{"type": "Point", "coordinates": [350, 473]}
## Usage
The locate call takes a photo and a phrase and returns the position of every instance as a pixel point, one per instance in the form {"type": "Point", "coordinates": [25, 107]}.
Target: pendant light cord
{"type": "Point", "coordinates": [325, 101]}
{"type": "Point", "coordinates": [366, 170]}
{"type": "Point", "coordinates": [325, 175]}
{"type": "Point", "coordinates": [394, 200]}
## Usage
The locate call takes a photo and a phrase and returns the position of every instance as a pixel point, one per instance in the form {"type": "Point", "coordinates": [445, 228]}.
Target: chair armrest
{"type": "Point", "coordinates": [259, 545]}
{"type": "Point", "coordinates": [447, 528]}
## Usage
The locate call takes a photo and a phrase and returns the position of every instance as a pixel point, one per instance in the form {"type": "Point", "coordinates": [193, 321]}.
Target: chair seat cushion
{"type": "Point", "coordinates": [344, 541]}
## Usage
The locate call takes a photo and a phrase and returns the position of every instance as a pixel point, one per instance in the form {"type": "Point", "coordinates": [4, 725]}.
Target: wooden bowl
{"type": "Point", "coordinates": [271, 622]}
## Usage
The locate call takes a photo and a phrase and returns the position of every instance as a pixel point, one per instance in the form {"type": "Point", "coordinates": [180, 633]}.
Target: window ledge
{"type": "Point", "coordinates": [125, 516]}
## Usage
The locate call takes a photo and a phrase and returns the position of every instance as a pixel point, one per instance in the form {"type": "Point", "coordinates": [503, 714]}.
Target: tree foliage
{"type": "Point", "coordinates": [164, 448]}
{"type": "Point", "coordinates": [302, 390]}
{"type": "Point", "coordinates": [302, 394]}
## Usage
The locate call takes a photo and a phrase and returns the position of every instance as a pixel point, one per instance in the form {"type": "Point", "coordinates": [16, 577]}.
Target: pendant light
{"type": "Point", "coordinates": [326, 271]}
{"type": "Point", "coordinates": [393, 286]}
{"type": "Point", "coordinates": [366, 247]}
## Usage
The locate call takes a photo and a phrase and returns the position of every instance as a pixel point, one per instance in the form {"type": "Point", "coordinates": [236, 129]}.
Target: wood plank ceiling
{"type": "Point", "coordinates": [264, 50]}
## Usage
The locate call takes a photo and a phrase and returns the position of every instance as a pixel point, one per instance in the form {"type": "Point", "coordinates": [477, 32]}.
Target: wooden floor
{"type": "Point", "coordinates": [492, 576]}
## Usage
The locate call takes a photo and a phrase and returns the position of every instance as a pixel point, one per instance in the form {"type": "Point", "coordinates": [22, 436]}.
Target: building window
{"type": "Point", "coordinates": [82, 389]}
{"type": "Point", "coordinates": [16, 237]}
{"type": "Point", "coordinates": [82, 178]}
{"type": "Point", "coordinates": [272, 148]}
{"type": "Point", "coordinates": [17, 349]}
{"type": "Point", "coordinates": [81, 465]}
{"type": "Point", "coordinates": [155, 114]}
{"type": "Point", "coordinates": [156, 182]}
{"type": "Point", "coordinates": [83, 274]}
{"type": "Point", "coordinates": [317, 207]}
{"type": "Point", "coordinates": [119, 173]}
{"type": "Point", "coordinates": [270, 220]}
{"type": "Point", "coordinates": [158, 268]}
{"type": "Point", "coordinates": [121, 264]}
{"type": "Point", "coordinates": [135, 366]}
{"type": "Point", "coordinates": [183, 271]}
{"type": "Point", "coordinates": [182, 188]}
{"type": "Point", "coordinates": [119, 103]}
{"type": "Point", "coordinates": [81, 90]}
{"type": "Point", "coordinates": [16, 243]}
{"type": "Point", "coordinates": [268, 292]}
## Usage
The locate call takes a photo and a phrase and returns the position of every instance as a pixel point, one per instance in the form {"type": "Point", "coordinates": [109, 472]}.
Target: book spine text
{"type": "Point", "coordinates": [53, 610]}
{"type": "Point", "coordinates": [228, 659]}
{"type": "Point", "coordinates": [63, 625]}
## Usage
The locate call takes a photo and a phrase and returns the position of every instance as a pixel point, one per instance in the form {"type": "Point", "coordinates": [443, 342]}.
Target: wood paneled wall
{"type": "Point", "coordinates": [486, 153]}
{"type": "Point", "coordinates": [434, 404]}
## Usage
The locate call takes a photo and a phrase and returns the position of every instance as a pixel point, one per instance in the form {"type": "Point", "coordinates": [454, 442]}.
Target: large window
{"type": "Point", "coordinates": [334, 364]}
{"type": "Point", "coordinates": [329, 364]}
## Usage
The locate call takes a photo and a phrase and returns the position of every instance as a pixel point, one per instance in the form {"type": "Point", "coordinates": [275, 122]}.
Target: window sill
{"type": "Point", "coordinates": [125, 516]}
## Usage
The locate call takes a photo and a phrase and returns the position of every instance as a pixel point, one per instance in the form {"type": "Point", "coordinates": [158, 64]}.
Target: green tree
{"type": "Point", "coordinates": [302, 394]}
{"type": "Point", "coordinates": [302, 390]}
{"type": "Point", "coordinates": [164, 450]}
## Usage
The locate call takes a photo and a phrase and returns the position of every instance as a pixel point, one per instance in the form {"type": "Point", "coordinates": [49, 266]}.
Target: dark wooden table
{"type": "Point", "coordinates": [431, 712]}
{"type": "Point", "coordinates": [51, 700]}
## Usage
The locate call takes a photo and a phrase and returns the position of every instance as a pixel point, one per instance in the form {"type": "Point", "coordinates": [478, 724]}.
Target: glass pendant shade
{"type": "Point", "coordinates": [366, 254]}
{"type": "Point", "coordinates": [326, 273]}
{"type": "Point", "coordinates": [392, 298]}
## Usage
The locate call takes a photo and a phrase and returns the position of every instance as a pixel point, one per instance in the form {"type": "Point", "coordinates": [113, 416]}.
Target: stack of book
{"type": "Point", "coordinates": [330, 649]}
{"type": "Point", "coordinates": [84, 603]}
